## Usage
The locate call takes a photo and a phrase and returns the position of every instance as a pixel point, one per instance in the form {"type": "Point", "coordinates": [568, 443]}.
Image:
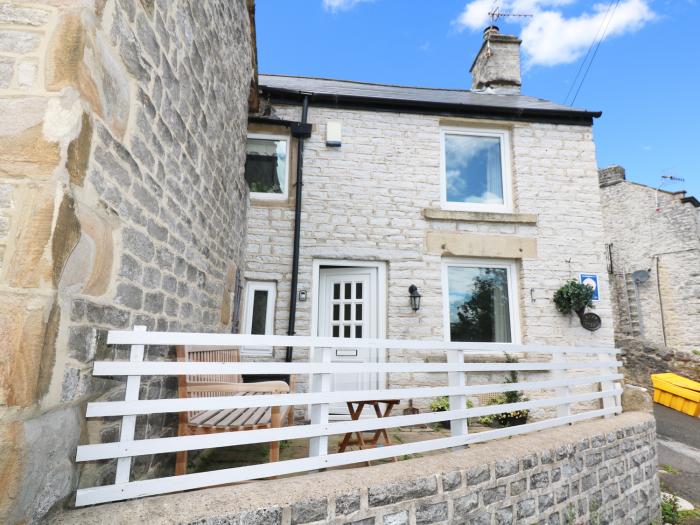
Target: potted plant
{"type": "Point", "coordinates": [573, 297]}
{"type": "Point", "coordinates": [441, 404]}
{"type": "Point", "coordinates": [508, 419]}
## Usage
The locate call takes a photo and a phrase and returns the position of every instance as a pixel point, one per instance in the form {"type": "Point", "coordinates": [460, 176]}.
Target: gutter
{"type": "Point", "coordinates": [554, 116]}
{"type": "Point", "coordinates": [301, 130]}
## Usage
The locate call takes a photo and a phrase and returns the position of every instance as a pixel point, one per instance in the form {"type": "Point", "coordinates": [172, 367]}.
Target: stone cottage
{"type": "Point", "coordinates": [482, 202]}
{"type": "Point", "coordinates": [122, 202]}
{"type": "Point", "coordinates": [125, 149]}
{"type": "Point", "coordinates": [653, 245]}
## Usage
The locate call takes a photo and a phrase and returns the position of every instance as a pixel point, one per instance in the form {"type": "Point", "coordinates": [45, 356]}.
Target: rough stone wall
{"type": "Point", "coordinates": [654, 231]}
{"type": "Point", "coordinates": [641, 358]}
{"type": "Point", "coordinates": [365, 201]}
{"type": "Point", "coordinates": [497, 65]}
{"type": "Point", "coordinates": [122, 202]}
{"type": "Point", "coordinates": [602, 471]}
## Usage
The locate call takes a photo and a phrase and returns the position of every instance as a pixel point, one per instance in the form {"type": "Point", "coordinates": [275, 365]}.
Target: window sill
{"type": "Point", "coordinates": [270, 203]}
{"type": "Point", "coordinates": [479, 216]}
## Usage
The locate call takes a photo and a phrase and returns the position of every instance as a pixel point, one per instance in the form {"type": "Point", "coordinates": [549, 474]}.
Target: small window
{"type": "Point", "coordinates": [480, 302]}
{"type": "Point", "coordinates": [267, 166]}
{"type": "Point", "coordinates": [259, 313]}
{"type": "Point", "coordinates": [476, 170]}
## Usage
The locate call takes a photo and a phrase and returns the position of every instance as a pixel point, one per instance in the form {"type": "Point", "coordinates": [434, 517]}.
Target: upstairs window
{"type": "Point", "coordinates": [475, 170]}
{"type": "Point", "coordinates": [267, 166]}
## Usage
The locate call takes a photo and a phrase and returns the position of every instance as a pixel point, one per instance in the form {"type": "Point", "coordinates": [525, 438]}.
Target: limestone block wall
{"type": "Point", "coordinates": [122, 202]}
{"type": "Point", "coordinates": [366, 201]}
{"type": "Point", "coordinates": [601, 471]}
{"type": "Point", "coordinates": [654, 231]}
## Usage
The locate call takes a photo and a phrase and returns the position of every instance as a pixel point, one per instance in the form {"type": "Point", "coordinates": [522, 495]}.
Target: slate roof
{"type": "Point", "coordinates": [425, 100]}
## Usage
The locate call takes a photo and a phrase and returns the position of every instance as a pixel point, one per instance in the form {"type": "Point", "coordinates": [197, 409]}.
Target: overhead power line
{"type": "Point", "coordinates": [595, 45]}
{"type": "Point", "coordinates": [590, 48]}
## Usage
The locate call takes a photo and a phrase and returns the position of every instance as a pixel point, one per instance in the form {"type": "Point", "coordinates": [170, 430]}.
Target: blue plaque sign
{"type": "Point", "coordinates": [591, 279]}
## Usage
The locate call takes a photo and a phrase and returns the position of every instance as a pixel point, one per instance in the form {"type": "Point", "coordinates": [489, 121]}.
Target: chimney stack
{"type": "Point", "coordinates": [496, 67]}
{"type": "Point", "coordinates": [611, 175]}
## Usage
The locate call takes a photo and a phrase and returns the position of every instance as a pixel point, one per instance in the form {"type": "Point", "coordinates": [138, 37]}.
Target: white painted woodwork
{"type": "Point", "coordinates": [348, 308]}
{"type": "Point", "coordinates": [133, 385]}
{"type": "Point", "coordinates": [598, 371]}
{"type": "Point", "coordinates": [137, 489]}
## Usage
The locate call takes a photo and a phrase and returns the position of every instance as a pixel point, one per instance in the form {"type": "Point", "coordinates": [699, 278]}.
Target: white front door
{"type": "Point", "coordinates": [348, 308]}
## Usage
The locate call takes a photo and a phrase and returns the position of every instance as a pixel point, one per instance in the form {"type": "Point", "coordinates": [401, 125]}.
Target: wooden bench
{"type": "Point", "coordinates": [216, 385]}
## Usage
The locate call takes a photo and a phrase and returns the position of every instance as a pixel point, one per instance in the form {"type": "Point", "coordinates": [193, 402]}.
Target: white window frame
{"type": "Point", "coordinates": [251, 287]}
{"type": "Point", "coordinates": [506, 173]}
{"type": "Point", "coordinates": [513, 296]}
{"type": "Point", "coordinates": [262, 196]}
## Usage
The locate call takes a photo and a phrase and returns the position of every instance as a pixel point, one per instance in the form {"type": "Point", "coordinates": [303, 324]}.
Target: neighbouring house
{"type": "Point", "coordinates": [122, 202]}
{"type": "Point", "coordinates": [483, 202]}
{"type": "Point", "coordinates": [652, 241]}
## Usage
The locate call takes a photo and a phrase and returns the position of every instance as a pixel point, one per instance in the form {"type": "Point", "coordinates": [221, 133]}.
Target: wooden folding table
{"type": "Point", "coordinates": [355, 408]}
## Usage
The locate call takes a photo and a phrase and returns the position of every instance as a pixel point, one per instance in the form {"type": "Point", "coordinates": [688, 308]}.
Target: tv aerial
{"type": "Point", "coordinates": [666, 179]}
{"type": "Point", "coordinates": [495, 14]}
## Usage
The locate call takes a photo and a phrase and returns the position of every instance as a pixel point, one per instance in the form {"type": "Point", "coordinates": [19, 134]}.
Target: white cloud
{"type": "Point", "coordinates": [341, 5]}
{"type": "Point", "coordinates": [549, 37]}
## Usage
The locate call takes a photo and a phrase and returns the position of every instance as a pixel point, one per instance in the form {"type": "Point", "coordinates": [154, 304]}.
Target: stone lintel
{"type": "Point", "coordinates": [478, 245]}
{"type": "Point", "coordinates": [479, 216]}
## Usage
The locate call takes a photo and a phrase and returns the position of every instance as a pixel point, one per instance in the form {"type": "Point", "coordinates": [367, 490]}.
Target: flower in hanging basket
{"type": "Point", "coordinates": [573, 297]}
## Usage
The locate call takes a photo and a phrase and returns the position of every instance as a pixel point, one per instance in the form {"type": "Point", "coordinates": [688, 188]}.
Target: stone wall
{"type": "Point", "coordinates": [497, 64]}
{"type": "Point", "coordinates": [656, 231]}
{"type": "Point", "coordinates": [377, 198]}
{"type": "Point", "coordinates": [601, 471]}
{"type": "Point", "coordinates": [641, 358]}
{"type": "Point", "coordinates": [122, 202]}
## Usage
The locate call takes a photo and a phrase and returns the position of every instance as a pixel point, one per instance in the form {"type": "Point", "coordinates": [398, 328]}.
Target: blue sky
{"type": "Point", "coordinates": [645, 77]}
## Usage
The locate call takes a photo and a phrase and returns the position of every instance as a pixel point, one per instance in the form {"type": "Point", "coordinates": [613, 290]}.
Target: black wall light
{"type": "Point", "coordinates": [415, 297]}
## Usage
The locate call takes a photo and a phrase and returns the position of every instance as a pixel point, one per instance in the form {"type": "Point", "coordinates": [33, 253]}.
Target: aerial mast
{"type": "Point", "coordinates": [495, 14]}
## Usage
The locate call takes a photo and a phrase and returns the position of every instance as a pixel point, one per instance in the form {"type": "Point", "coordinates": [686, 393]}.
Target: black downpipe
{"type": "Point", "coordinates": [297, 229]}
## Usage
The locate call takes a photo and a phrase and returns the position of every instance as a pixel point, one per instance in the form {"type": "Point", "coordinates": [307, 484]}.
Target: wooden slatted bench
{"type": "Point", "coordinates": [226, 420]}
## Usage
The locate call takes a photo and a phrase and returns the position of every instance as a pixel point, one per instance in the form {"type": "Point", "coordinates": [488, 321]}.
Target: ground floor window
{"type": "Point", "coordinates": [260, 313]}
{"type": "Point", "coordinates": [480, 301]}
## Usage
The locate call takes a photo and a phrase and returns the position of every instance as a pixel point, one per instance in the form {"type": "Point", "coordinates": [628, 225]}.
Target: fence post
{"type": "Point", "coordinates": [318, 446]}
{"type": "Point", "coordinates": [563, 391]}
{"type": "Point", "coordinates": [133, 385]}
{"type": "Point", "coordinates": [458, 427]}
{"type": "Point", "coordinates": [608, 401]}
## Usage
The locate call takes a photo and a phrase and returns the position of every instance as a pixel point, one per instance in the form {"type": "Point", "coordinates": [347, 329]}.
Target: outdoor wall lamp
{"type": "Point", "coordinates": [414, 297]}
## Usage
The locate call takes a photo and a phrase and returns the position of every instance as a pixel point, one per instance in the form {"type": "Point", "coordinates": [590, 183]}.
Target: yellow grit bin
{"type": "Point", "coordinates": [677, 392]}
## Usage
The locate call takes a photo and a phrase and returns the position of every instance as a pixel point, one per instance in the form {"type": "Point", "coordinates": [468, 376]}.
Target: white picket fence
{"type": "Point", "coordinates": [597, 368]}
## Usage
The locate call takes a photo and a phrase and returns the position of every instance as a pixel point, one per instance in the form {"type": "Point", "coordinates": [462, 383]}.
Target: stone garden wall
{"type": "Point", "coordinates": [122, 202]}
{"type": "Point", "coordinates": [641, 358]}
{"type": "Point", "coordinates": [602, 471]}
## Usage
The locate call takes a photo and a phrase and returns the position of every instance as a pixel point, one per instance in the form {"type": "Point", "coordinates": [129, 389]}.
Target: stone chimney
{"type": "Point", "coordinates": [496, 67]}
{"type": "Point", "coordinates": [611, 175]}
